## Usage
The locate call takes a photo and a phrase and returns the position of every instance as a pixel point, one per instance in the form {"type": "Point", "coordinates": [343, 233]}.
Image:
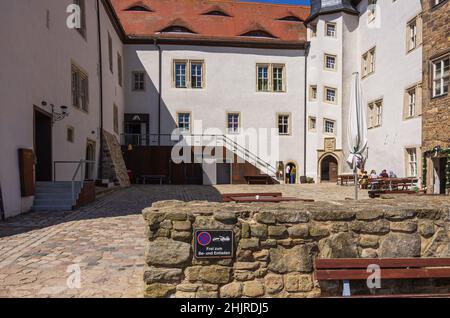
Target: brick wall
{"type": "Point", "coordinates": [436, 41]}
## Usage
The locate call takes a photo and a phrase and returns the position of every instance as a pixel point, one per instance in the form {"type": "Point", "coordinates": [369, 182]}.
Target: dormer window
{"type": "Point", "coordinates": [291, 18]}
{"type": "Point", "coordinates": [138, 8]}
{"type": "Point", "coordinates": [259, 34]}
{"type": "Point", "coordinates": [176, 29]}
{"type": "Point", "coordinates": [217, 13]}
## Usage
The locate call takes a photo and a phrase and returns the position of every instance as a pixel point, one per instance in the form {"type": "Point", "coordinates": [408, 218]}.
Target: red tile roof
{"type": "Point", "coordinates": [246, 21]}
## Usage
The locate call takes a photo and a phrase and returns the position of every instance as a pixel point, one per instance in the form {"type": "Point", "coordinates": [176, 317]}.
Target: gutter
{"type": "Point", "coordinates": [100, 163]}
{"type": "Point", "coordinates": [305, 124]}
{"type": "Point", "coordinates": [155, 42]}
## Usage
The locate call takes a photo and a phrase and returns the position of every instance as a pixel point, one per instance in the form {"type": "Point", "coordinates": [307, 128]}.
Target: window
{"type": "Point", "coordinates": [116, 119]}
{"type": "Point", "coordinates": [184, 122]}
{"type": "Point", "coordinates": [330, 62]}
{"type": "Point", "coordinates": [82, 29]}
{"type": "Point", "coordinates": [413, 102]}
{"type": "Point", "coordinates": [197, 74]}
{"type": "Point", "coordinates": [313, 93]}
{"type": "Point", "coordinates": [70, 134]}
{"type": "Point", "coordinates": [375, 114]}
{"type": "Point", "coordinates": [330, 95]}
{"type": "Point", "coordinates": [270, 77]}
{"type": "Point", "coordinates": [436, 2]}
{"type": "Point", "coordinates": [139, 8]}
{"type": "Point", "coordinates": [329, 126]}
{"type": "Point", "coordinates": [217, 13]}
{"type": "Point", "coordinates": [138, 83]}
{"type": "Point", "coordinates": [196, 71]}
{"type": "Point", "coordinates": [368, 63]}
{"type": "Point", "coordinates": [119, 68]}
{"type": "Point", "coordinates": [330, 29]}
{"type": "Point", "coordinates": [312, 122]}
{"type": "Point", "coordinates": [441, 75]}
{"type": "Point", "coordinates": [110, 53]}
{"type": "Point", "coordinates": [80, 88]}
{"type": "Point", "coordinates": [411, 160]}
{"type": "Point", "coordinates": [283, 124]}
{"type": "Point", "coordinates": [372, 10]}
{"type": "Point", "coordinates": [233, 123]}
{"type": "Point", "coordinates": [176, 29]}
{"type": "Point", "coordinates": [414, 33]}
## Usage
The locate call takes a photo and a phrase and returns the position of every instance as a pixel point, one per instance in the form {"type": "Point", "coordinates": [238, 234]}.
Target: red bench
{"type": "Point", "coordinates": [347, 270]}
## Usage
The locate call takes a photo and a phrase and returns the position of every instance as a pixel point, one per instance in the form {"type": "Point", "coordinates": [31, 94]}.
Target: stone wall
{"type": "Point", "coordinates": [436, 41]}
{"type": "Point", "coordinates": [276, 244]}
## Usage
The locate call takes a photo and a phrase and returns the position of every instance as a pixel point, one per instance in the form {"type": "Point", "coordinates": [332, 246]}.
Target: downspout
{"type": "Point", "coordinates": [100, 163]}
{"type": "Point", "coordinates": [159, 88]}
{"type": "Point", "coordinates": [305, 124]}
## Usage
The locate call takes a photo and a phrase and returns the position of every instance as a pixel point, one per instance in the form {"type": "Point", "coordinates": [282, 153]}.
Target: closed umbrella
{"type": "Point", "coordinates": [357, 129]}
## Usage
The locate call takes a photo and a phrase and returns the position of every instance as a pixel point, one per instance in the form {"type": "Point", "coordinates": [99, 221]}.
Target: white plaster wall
{"type": "Point", "coordinates": [230, 87]}
{"type": "Point", "coordinates": [36, 66]}
{"type": "Point", "coordinates": [317, 75]}
{"type": "Point", "coordinates": [395, 70]}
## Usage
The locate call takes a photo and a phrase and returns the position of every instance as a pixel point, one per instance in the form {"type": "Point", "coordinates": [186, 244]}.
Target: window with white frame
{"type": "Point", "coordinates": [233, 123]}
{"type": "Point", "coordinates": [371, 14]}
{"type": "Point", "coordinates": [80, 88]}
{"type": "Point", "coordinates": [441, 76]}
{"type": "Point", "coordinates": [368, 62]}
{"type": "Point", "coordinates": [313, 93]}
{"type": "Point", "coordinates": [116, 119]}
{"type": "Point", "coordinates": [181, 71]}
{"type": "Point", "coordinates": [412, 102]}
{"type": "Point", "coordinates": [312, 123]}
{"type": "Point", "coordinates": [313, 30]}
{"type": "Point", "coordinates": [414, 33]}
{"type": "Point", "coordinates": [330, 62]}
{"type": "Point", "coordinates": [330, 95]}
{"type": "Point", "coordinates": [270, 77]}
{"type": "Point", "coordinates": [411, 158]}
{"type": "Point", "coordinates": [329, 126]}
{"type": "Point", "coordinates": [436, 2]}
{"type": "Point", "coordinates": [184, 122]}
{"type": "Point", "coordinates": [283, 124]}
{"type": "Point", "coordinates": [375, 110]}
{"type": "Point", "coordinates": [119, 69]}
{"type": "Point", "coordinates": [138, 81]}
{"type": "Point", "coordinates": [330, 29]}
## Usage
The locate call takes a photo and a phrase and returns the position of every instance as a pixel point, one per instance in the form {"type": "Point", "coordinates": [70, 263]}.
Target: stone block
{"type": "Point", "coordinates": [296, 259]}
{"type": "Point", "coordinates": [253, 289]}
{"type": "Point", "coordinates": [259, 230]}
{"type": "Point", "coordinates": [372, 227]}
{"type": "Point", "coordinates": [277, 231]}
{"type": "Point", "coordinates": [232, 290]}
{"type": "Point", "coordinates": [274, 283]}
{"type": "Point", "coordinates": [265, 217]}
{"type": "Point", "coordinates": [299, 231]}
{"type": "Point", "coordinates": [162, 275]}
{"type": "Point", "coordinates": [167, 252]}
{"type": "Point", "coordinates": [159, 290]}
{"type": "Point", "coordinates": [292, 217]}
{"type": "Point", "coordinates": [397, 245]}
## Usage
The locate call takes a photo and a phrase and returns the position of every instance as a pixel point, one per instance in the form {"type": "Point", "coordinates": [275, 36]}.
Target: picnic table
{"type": "Point", "coordinates": [260, 197]}
{"type": "Point", "coordinates": [344, 179]}
{"type": "Point", "coordinates": [148, 178]}
{"type": "Point", "coordinates": [261, 179]}
{"type": "Point", "coordinates": [380, 186]}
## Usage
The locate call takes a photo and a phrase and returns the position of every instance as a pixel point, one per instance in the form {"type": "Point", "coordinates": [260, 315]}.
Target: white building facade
{"type": "Point", "coordinates": [381, 40]}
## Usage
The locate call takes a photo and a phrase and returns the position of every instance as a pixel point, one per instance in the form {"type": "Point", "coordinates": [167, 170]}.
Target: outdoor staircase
{"type": "Point", "coordinates": [56, 196]}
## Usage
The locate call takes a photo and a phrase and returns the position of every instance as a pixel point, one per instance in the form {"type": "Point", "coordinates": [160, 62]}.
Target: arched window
{"type": "Point", "coordinates": [291, 18]}
{"type": "Point", "coordinates": [217, 13]}
{"type": "Point", "coordinates": [259, 34]}
{"type": "Point", "coordinates": [138, 8]}
{"type": "Point", "coordinates": [176, 29]}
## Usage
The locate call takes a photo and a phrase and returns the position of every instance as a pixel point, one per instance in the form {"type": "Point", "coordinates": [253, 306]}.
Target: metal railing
{"type": "Point", "coordinates": [198, 140]}
{"type": "Point", "coordinates": [81, 168]}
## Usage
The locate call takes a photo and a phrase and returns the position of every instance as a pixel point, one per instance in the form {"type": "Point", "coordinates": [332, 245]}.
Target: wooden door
{"type": "Point", "coordinates": [43, 146]}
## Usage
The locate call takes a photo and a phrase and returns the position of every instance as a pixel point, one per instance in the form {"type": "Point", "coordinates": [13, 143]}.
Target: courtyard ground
{"type": "Point", "coordinates": [105, 239]}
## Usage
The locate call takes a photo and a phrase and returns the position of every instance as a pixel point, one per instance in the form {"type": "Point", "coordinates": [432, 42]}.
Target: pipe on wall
{"type": "Point", "coordinates": [159, 88]}
{"type": "Point", "coordinates": [305, 123]}
{"type": "Point", "coordinates": [99, 33]}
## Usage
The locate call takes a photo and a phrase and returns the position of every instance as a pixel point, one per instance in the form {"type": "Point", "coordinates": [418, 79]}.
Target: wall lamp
{"type": "Point", "coordinates": [57, 115]}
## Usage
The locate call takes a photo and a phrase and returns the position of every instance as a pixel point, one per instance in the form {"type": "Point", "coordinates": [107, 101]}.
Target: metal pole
{"type": "Point", "coordinates": [356, 182]}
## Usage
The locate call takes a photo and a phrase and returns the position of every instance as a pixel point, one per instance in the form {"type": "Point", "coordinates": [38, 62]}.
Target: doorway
{"type": "Point", "coordinates": [329, 169]}
{"type": "Point", "coordinates": [223, 173]}
{"type": "Point", "coordinates": [291, 173]}
{"type": "Point", "coordinates": [440, 178]}
{"type": "Point", "coordinates": [90, 156]}
{"type": "Point", "coordinates": [43, 146]}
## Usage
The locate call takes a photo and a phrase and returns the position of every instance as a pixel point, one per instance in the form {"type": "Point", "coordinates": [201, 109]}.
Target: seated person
{"type": "Point", "coordinates": [384, 174]}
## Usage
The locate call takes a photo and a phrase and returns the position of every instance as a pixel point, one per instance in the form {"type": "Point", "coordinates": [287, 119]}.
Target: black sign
{"type": "Point", "coordinates": [214, 243]}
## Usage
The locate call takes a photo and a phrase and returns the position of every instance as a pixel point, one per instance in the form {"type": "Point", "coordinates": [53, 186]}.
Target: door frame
{"type": "Point", "coordinates": [319, 166]}
{"type": "Point", "coordinates": [49, 115]}
{"type": "Point", "coordinates": [92, 169]}
{"type": "Point", "coordinates": [297, 175]}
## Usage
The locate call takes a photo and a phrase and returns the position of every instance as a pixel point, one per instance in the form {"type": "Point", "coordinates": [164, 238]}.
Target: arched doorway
{"type": "Point", "coordinates": [291, 173]}
{"type": "Point", "coordinates": [90, 156]}
{"type": "Point", "coordinates": [329, 169]}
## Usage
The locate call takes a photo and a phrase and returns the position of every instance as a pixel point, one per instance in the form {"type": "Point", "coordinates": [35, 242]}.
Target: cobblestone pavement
{"type": "Point", "coordinates": [105, 239]}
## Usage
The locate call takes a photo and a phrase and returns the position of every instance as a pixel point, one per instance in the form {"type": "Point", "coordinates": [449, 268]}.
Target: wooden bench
{"type": "Point", "coordinates": [228, 197]}
{"type": "Point", "coordinates": [262, 179]}
{"type": "Point", "coordinates": [347, 270]}
{"type": "Point", "coordinates": [344, 179]}
{"type": "Point", "coordinates": [272, 197]}
{"type": "Point", "coordinates": [148, 178]}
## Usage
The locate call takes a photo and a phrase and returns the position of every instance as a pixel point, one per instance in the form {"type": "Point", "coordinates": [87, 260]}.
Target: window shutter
{"type": "Point", "coordinates": [419, 99]}
{"type": "Point", "coordinates": [419, 29]}
{"type": "Point", "coordinates": [405, 104]}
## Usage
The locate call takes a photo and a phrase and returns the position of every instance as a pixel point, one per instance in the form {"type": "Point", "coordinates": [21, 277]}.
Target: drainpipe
{"type": "Point", "coordinates": [100, 163]}
{"type": "Point", "coordinates": [159, 88]}
{"type": "Point", "coordinates": [2, 209]}
{"type": "Point", "coordinates": [305, 124]}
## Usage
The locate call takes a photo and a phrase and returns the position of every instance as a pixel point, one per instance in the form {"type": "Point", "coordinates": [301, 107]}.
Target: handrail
{"type": "Point", "coordinates": [80, 165]}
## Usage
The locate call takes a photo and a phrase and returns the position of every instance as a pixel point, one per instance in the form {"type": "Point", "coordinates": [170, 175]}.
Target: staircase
{"type": "Point", "coordinates": [56, 196]}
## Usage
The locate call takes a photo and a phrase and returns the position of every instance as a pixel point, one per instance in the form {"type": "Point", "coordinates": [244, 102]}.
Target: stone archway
{"type": "Point", "coordinates": [329, 168]}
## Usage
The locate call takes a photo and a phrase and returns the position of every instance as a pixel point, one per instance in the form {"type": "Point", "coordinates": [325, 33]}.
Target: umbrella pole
{"type": "Point", "coordinates": [356, 182]}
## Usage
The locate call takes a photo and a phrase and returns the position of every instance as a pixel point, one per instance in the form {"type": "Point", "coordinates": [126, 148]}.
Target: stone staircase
{"type": "Point", "coordinates": [55, 196]}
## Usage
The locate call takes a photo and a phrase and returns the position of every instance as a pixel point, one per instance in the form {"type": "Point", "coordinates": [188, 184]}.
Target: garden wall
{"type": "Point", "coordinates": [275, 245]}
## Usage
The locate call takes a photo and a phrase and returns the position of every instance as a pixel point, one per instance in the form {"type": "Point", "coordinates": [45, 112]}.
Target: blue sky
{"type": "Point", "coordinates": [282, 1]}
